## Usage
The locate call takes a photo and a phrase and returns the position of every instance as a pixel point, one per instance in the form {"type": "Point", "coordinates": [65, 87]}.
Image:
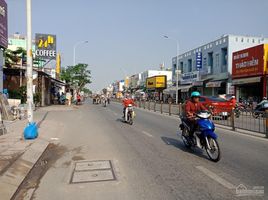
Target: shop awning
{"type": "Point", "coordinates": [198, 83]}
{"type": "Point", "coordinates": [182, 88]}
{"type": "Point", "coordinates": [242, 81]}
{"type": "Point", "coordinates": [213, 84]}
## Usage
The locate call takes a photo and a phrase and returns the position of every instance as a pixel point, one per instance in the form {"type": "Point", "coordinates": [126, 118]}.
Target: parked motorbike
{"type": "Point", "coordinates": [203, 137]}
{"type": "Point", "coordinates": [260, 109]}
{"type": "Point", "coordinates": [129, 114]}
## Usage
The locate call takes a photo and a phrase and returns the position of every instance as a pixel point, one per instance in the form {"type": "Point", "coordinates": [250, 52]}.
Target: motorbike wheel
{"type": "Point", "coordinates": [130, 119]}
{"type": "Point", "coordinates": [255, 115]}
{"type": "Point", "coordinates": [215, 149]}
{"type": "Point", "coordinates": [185, 138]}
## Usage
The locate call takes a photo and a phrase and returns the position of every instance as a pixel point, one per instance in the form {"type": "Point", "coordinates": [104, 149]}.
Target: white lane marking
{"type": "Point", "coordinates": [146, 133]}
{"type": "Point", "coordinates": [216, 178]}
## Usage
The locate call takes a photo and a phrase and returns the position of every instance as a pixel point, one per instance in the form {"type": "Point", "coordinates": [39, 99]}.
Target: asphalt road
{"type": "Point", "coordinates": [149, 159]}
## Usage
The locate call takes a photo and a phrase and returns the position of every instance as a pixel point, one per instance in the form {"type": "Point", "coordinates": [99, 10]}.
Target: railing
{"type": "Point", "coordinates": [246, 120]}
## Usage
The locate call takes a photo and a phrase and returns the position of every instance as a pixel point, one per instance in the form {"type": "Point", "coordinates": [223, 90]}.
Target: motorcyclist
{"type": "Point", "coordinates": [126, 102]}
{"type": "Point", "coordinates": [191, 108]}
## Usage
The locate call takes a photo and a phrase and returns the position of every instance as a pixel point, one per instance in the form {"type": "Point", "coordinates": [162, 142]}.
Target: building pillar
{"type": "Point", "coordinates": [2, 60]}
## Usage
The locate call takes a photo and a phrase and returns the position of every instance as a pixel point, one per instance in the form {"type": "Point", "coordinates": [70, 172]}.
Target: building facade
{"type": "Point", "coordinates": [208, 68]}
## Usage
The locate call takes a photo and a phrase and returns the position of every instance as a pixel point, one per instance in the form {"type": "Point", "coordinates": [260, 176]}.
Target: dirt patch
{"type": "Point", "coordinates": [49, 157]}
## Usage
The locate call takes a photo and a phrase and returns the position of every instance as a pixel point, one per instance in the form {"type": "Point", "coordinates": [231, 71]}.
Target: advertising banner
{"type": "Point", "coordinates": [45, 46]}
{"type": "Point", "coordinates": [3, 24]}
{"type": "Point", "coordinates": [248, 62]}
{"type": "Point", "coordinates": [156, 82]}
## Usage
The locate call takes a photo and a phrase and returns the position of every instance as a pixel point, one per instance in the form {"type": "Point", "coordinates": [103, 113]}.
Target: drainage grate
{"type": "Point", "coordinates": [92, 171]}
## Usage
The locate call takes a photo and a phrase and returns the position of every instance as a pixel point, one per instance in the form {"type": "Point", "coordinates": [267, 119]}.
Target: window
{"type": "Point", "coordinates": [217, 43]}
{"type": "Point", "coordinates": [236, 39]}
{"type": "Point", "coordinates": [242, 39]}
{"type": "Point", "coordinates": [190, 65]}
{"type": "Point", "coordinates": [253, 41]}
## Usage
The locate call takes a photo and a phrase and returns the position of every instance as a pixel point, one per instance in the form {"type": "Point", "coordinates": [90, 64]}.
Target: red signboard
{"type": "Point", "coordinates": [248, 62]}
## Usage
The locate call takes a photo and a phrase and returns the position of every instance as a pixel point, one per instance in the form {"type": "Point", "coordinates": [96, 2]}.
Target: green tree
{"type": "Point", "coordinates": [78, 76]}
{"type": "Point", "coordinates": [13, 57]}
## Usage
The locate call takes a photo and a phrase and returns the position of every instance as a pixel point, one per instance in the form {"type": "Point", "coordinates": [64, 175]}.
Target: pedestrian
{"type": "Point", "coordinates": [69, 97]}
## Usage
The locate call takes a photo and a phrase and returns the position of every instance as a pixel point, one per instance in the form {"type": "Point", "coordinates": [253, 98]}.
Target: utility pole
{"type": "Point", "coordinates": [29, 63]}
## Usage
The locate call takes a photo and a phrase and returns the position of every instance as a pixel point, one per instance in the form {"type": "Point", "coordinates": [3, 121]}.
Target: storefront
{"type": "Point", "coordinates": [155, 86]}
{"type": "Point", "coordinates": [215, 87]}
{"type": "Point", "coordinates": [249, 73]}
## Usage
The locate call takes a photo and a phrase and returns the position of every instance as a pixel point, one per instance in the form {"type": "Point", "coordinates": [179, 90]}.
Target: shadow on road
{"type": "Point", "coordinates": [43, 119]}
{"type": "Point", "coordinates": [179, 144]}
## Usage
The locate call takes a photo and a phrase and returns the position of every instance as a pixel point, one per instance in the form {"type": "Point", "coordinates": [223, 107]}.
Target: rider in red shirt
{"type": "Point", "coordinates": [191, 108]}
{"type": "Point", "coordinates": [126, 101]}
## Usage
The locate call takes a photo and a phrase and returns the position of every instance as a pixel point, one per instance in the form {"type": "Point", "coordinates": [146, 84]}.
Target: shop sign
{"type": "Point", "coordinates": [156, 82]}
{"type": "Point", "coordinates": [248, 62]}
{"type": "Point", "coordinates": [198, 61]}
{"type": "Point", "coordinates": [213, 84]}
{"type": "Point", "coordinates": [45, 46]}
{"type": "Point", "coordinates": [190, 77]}
{"type": "Point", "coordinates": [198, 83]}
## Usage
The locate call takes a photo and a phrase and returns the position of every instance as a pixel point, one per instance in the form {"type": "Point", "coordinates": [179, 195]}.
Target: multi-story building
{"type": "Point", "coordinates": [208, 68]}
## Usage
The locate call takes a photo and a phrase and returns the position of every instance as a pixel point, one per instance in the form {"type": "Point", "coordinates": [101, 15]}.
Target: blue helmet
{"type": "Point", "coordinates": [195, 94]}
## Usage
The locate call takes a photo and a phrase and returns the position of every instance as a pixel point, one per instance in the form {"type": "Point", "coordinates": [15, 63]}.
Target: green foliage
{"type": "Point", "coordinates": [78, 76]}
{"type": "Point", "coordinates": [87, 91]}
{"type": "Point", "coordinates": [37, 98]}
{"type": "Point", "coordinates": [21, 94]}
{"type": "Point", "coordinates": [13, 57]}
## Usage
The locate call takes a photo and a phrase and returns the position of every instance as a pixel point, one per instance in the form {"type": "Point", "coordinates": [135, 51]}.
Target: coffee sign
{"type": "Point", "coordinates": [45, 46]}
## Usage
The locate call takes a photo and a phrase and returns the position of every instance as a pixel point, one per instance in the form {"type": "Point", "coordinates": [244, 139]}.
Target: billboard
{"type": "Point", "coordinates": [156, 82]}
{"type": "Point", "coordinates": [45, 46]}
{"type": "Point", "coordinates": [3, 24]}
{"type": "Point", "coordinates": [248, 62]}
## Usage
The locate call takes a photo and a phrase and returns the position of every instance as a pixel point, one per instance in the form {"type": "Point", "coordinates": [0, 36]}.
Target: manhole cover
{"type": "Point", "coordinates": [92, 171]}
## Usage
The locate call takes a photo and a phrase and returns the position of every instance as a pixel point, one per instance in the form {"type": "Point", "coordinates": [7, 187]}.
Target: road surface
{"type": "Point", "coordinates": [148, 159]}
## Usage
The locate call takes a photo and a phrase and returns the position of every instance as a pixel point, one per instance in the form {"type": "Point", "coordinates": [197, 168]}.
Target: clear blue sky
{"type": "Point", "coordinates": [125, 36]}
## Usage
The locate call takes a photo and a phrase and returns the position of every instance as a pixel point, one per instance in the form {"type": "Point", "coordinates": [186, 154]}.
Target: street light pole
{"type": "Point", "coordinates": [29, 63]}
{"type": "Point", "coordinates": [177, 66]}
{"type": "Point", "coordinates": [76, 44]}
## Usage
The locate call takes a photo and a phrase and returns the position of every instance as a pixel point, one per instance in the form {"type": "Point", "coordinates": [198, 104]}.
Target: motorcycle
{"type": "Point", "coordinates": [203, 137]}
{"type": "Point", "coordinates": [260, 109]}
{"type": "Point", "coordinates": [129, 114]}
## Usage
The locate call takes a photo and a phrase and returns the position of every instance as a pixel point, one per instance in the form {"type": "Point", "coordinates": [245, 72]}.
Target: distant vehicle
{"type": "Point", "coordinates": [219, 106]}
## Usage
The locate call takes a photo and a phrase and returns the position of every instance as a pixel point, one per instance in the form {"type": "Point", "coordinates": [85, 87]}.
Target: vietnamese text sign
{"type": "Point", "coordinates": [3, 24]}
{"type": "Point", "coordinates": [190, 77]}
{"type": "Point", "coordinates": [248, 62]}
{"type": "Point", "coordinates": [198, 61]}
{"type": "Point", "coordinates": [45, 46]}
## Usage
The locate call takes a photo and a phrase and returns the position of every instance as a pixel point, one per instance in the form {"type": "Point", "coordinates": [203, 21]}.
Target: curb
{"type": "Point", "coordinates": [14, 176]}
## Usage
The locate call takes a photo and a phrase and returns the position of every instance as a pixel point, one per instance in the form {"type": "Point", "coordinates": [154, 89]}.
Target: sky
{"type": "Point", "coordinates": [126, 36]}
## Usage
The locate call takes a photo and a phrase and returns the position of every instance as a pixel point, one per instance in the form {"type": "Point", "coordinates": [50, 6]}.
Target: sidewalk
{"type": "Point", "coordinates": [18, 156]}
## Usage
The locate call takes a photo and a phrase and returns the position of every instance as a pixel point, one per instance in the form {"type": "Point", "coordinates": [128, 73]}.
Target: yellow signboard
{"type": "Point", "coordinates": [156, 82]}
{"type": "Point", "coordinates": [265, 58]}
